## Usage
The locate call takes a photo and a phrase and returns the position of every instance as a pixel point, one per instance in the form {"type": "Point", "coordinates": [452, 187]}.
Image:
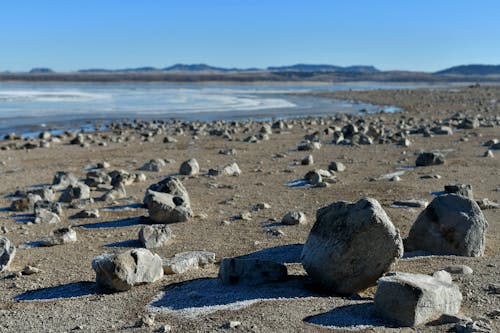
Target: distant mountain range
{"type": "Point", "coordinates": [471, 70]}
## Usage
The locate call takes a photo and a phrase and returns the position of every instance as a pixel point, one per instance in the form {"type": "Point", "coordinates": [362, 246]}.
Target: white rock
{"type": "Point", "coordinates": [157, 235]}
{"type": "Point", "coordinates": [184, 261]}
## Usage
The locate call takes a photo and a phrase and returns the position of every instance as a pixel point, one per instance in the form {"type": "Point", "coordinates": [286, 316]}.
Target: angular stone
{"type": "Point", "coordinates": [7, 253]}
{"type": "Point", "coordinates": [426, 159]}
{"type": "Point", "coordinates": [63, 179]}
{"type": "Point", "coordinates": [54, 207]}
{"type": "Point", "coordinates": [336, 166]}
{"type": "Point", "coordinates": [308, 160]}
{"type": "Point", "coordinates": [154, 165]}
{"type": "Point", "coordinates": [189, 167]}
{"type": "Point", "coordinates": [415, 299]}
{"type": "Point", "coordinates": [460, 189]}
{"type": "Point", "coordinates": [293, 218]}
{"type": "Point", "coordinates": [350, 246]}
{"type": "Point", "coordinates": [250, 271]}
{"type": "Point", "coordinates": [116, 193]}
{"type": "Point", "coordinates": [450, 225]}
{"type": "Point", "coordinates": [152, 236]}
{"type": "Point", "coordinates": [75, 191]}
{"type": "Point", "coordinates": [59, 237]}
{"type": "Point", "coordinates": [185, 261]}
{"type": "Point", "coordinates": [87, 214]}
{"type": "Point", "coordinates": [167, 208]}
{"type": "Point", "coordinates": [120, 272]}
{"type": "Point", "coordinates": [413, 203]}
{"type": "Point", "coordinates": [45, 216]}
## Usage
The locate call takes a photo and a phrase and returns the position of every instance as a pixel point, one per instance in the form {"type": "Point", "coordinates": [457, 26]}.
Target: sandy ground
{"type": "Point", "coordinates": [63, 298]}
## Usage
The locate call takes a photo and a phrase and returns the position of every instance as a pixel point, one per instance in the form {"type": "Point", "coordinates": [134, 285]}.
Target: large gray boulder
{"type": "Point", "coordinates": [189, 167]}
{"type": "Point", "coordinates": [415, 299]}
{"type": "Point", "coordinates": [426, 159]}
{"type": "Point", "coordinates": [63, 179]}
{"type": "Point", "coordinates": [171, 185]}
{"type": "Point", "coordinates": [120, 272]}
{"type": "Point", "coordinates": [350, 246]}
{"type": "Point", "coordinates": [167, 208]}
{"type": "Point", "coordinates": [450, 225]}
{"type": "Point", "coordinates": [157, 235]}
{"type": "Point", "coordinates": [250, 271]}
{"type": "Point", "coordinates": [7, 253]}
{"type": "Point", "coordinates": [75, 191]}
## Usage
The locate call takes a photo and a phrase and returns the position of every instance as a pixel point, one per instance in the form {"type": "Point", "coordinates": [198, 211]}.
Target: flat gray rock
{"type": "Point", "coordinates": [185, 261]}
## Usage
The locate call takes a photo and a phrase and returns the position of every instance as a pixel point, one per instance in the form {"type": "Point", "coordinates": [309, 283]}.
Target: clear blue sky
{"type": "Point", "coordinates": [400, 34]}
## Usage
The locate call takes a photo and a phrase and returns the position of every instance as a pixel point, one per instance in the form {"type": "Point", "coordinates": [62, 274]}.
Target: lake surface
{"type": "Point", "coordinates": [31, 108]}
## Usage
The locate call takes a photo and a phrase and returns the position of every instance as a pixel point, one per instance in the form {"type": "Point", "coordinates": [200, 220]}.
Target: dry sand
{"type": "Point", "coordinates": [63, 298]}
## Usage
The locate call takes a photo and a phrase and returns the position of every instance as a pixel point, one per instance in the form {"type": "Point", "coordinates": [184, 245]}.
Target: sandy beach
{"type": "Point", "coordinates": [63, 297]}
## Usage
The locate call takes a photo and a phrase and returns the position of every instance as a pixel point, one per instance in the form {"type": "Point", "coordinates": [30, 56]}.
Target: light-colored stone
{"type": "Point", "coordinates": [45, 216]}
{"type": "Point", "coordinates": [75, 191]}
{"type": "Point", "coordinates": [412, 203]}
{"type": "Point", "coordinates": [464, 190]}
{"type": "Point", "coordinates": [416, 299]}
{"type": "Point", "coordinates": [120, 272]}
{"type": "Point", "coordinates": [185, 261]}
{"type": "Point", "coordinates": [59, 237]}
{"type": "Point", "coordinates": [189, 167]}
{"type": "Point", "coordinates": [7, 253]}
{"type": "Point", "coordinates": [152, 236]}
{"type": "Point", "coordinates": [450, 225]}
{"type": "Point", "coordinates": [293, 218]}
{"type": "Point", "coordinates": [167, 208]}
{"type": "Point", "coordinates": [250, 271]}
{"type": "Point", "coordinates": [350, 246]}
{"type": "Point", "coordinates": [427, 159]}
{"type": "Point", "coordinates": [87, 214]}
{"type": "Point", "coordinates": [336, 166]}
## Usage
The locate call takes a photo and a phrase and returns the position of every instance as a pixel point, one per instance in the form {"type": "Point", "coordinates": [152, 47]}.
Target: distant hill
{"type": "Point", "coordinates": [472, 70]}
{"type": "Point", "coordinates": [196, 68]}
{"type": "Point", "coordinates": [324, 68]}
{"type": "Point", "coordinates": [41, 70]}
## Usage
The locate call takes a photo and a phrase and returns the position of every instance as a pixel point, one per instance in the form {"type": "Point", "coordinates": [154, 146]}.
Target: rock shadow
{"type": "Point", "coordinates": [200, 297]}
{"type": "Point", "coordinates": [133, 206]}
{"type": "Point", "coordinates": [23, 218]}
{"type": "Point", "coordinates": [298, 183]}
{"type": "Point", "coordinates": [65, 291]}
{"type": "Point", "coordinates": [349, 317]}
{"type": "Point", "coordinates": [127, 222]}
{"type": "Point", "coordinates": [285, 254]}
{"type": "Point", "coordinates": [132, 243]}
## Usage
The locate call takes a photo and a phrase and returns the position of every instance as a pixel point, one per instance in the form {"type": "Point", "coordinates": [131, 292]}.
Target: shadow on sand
{"type": "Point", "coordinates": [65, 291]}
{"type": "Point", "coordinates": [113, 224]}
{"type": "Point", "coordinates": [132, 243]}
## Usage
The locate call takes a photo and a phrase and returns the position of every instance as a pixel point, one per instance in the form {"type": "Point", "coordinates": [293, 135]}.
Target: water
{"type": "Point", "coordinates": [31, 108]}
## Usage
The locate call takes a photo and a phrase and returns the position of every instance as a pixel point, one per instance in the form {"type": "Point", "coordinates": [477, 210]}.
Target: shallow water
{"type": "Point", "coordinates": [30, 108]}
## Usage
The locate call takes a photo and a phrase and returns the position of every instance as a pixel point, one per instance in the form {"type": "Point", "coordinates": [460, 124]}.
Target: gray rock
{"type": "Point", "coordinates": [487, 204]}
{"type": "Point", "coordinates": [308, 160]}
{"type": "Point", "coordinates": [87, 214]}
{"type": "Point", "coordinates": [46, 193]}
{"type": "Point", "coordinates": [63, 179]}
{"type": "Point", "coordinates": [350, 246]}
{"type": "Point", "coordinates": [54, 207]}
{"type": "Point", "coordinates": [293, 218]}
{"type": "Point", "coordinates": [26, 204]}
{"type": "Point", "coordinates": [460, 189]}
{"type": "Point", "coordinates": [308, 145]}
{"type": "Point", "coordinates": [120, 272]}
{"type": "Point", "coordinates": [426, 159]}
{"type": "Point", "coordinates": [185, 261]}
{"type": "Point", "coordinates": [171, 185]}
{"type": "Point", "coordinates": [152, 236]}
{"type": "Point", "coordinates": [413, 203]}
{"type": "Point", "coordinates": [450, 225]}
{"type": "Point", "coordinates": [473, 326]}
{"type": "Point", "coordinates": [154, 165]}
{"type": "Point", "coordinates": [167, 208]}
{"type": "Point", "coordinates": [75, 191]}
{"type": "Point", "coordinates": [45, 216]}
{"type": "Point", "coordinates": [336, 166]}
{"type": "Point", "coordinates": [415, 299]}
{"type": "Point", "coordinates": [7, 253]}
{"type": "Point", "coordinates": [59, 237]}
{"type": "Point", "coordinates": [250, 271]}
{"type": "Point", "coordinates": [116, 193]}
{"type": "Point", "coordinates": [189, 167]}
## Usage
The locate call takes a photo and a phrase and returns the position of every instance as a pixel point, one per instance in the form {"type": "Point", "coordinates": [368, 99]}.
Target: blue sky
{"type": "Point", "coordinates": [425, 35]}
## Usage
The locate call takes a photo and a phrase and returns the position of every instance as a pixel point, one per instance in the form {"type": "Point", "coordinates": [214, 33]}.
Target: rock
{"type": "Point", "coordinates": [307, 145]}
{"type": "Point", "coordinates": [140, 177]}
{"type": "Point", "coordinates": [116, 193]}
{"type": "Point", "coordinates": [469, 123]}
{"type": "Point", "coordinates": [426, 159]}
{"type": "Point", "coordinates": [75, 191]}
{"type": "Point", "coordinates": [336, 166]}
{"type": "Point", "coordinates": [308, 160]}
{"type": "Point", "coordinates": [167, 208]}
{"type": "Point", "coordinates": [471, 326]}
{"type": "Point", "coordinates": [231, 170]}
{"type": "Point", "coordinates": [450, 225]}
{"type": "Point", "coordinates": [121, 177]}
{"type": "Point", "coordinates": [233, 324]}
{"type": "Point", "coordinates": [63, 179]}
{"type": "Point", "coordinates": [154, 165]}
{"type": "Point", "coordinates": [103, 165]}
{"type": "Point", "coordinates": [30, 270]}
{"type": "Point", "coordinates": [415, 299]}
{"type": "Point", "coordinates": [81, 203]}
{"type": "Point", "coordinates": [120, 272]}
{"type": "Point", "coordinates": [26, 204]}
{"type": "Point", "coordinates": [227, 152]}
{"type": "Point", "coordinates": [459, 270]}
{"type": "Point", "coordinates": [250, 271]}
{"type": "Point", "coordinates": [487, 204]}
{"type": "Point", "coordinates": [414, 203]}
{"type": "Point", "coordinates": [189, 167]}
{"type": "Point", "coordinates": [45, 216]}
{"type": "Point", "coordinates": [87, 214]}
{"type": "Point", "coordinates": [460, 189]}
{"type": "Point", "coordinates": [164, 329]}
{"type": "Point", "coordinates": [152, 236]}
{"type": "Point", "coordinates": [59, 237]}
{"type": "Point", "coordinates": [489, 154]}
{"type": "Point", "coordinates": [261, 206]}
{"type": "Point", "coordinates": [97, 177]}
{"type": "Point", "coordinates": [54, 207]}
{"type": "Point", "coordinates": [293, 218]}
{"type": "Point", "coordinates": [46, 193]}
{"type": "Point", "coordinates": [185, 261]}
{"type": "Point", "coordinates": [7, 253]}
{"type": "Point", "coordinates": [350, 246]}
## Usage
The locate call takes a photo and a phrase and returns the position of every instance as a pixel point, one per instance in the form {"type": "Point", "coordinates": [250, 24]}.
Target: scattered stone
{"type": "Point", "coordinates": [459, 270]}
{"type": "Point", "coordinates": [26, 204]}
{"type": "Point", "coordinates": [7, 253]}
{"type": "Point", "coordinates": [426, 159]}
{"type": "Point", "coordinates": [414, 203]}
{"type": "Point", "coordinates": [75, 191]}
{"type": "Point", "coordinates": [46, 193]}
{"type": "Point", "coordinates": [185, 261]}
{"type": "Point", "coordinates": [415, 299]}
{"type": "Point", "coordinates": [140, 177]}
{"type": "Point", "coordinates": [81, 203]}
{"type": "Point", "coordinates": [164, 329]}
{"type": "Point", "coordinates": [308, 160]}
{"type": "Point", "coordinates": [250, 271]}
{"type": "Point", "coordinates": [103, 165]}
{"type": "Point", "coordinates": [169, 139]}
{"type": "Point", "coordinates": [63, 179]}
{"type": "Point", "coordinates": [460, 189]}
{"type": "Point", "coordinates": [59, 237]}
{"type": "Point", "coordinates": [245, 216]}
{"type": "Point", "coordinates": [189, 167]}
{"type": "Point", "coordinates": [152, 236]}
{"type": "Point", "coordinates": [116, 193]}
{"type": "Point", "coordinates": [87, 214]}
{"type": "Point", "coordinates": [308, 145]}
{"type": "Point", "coordinates": [154, 165]}
{"type": "Point", "coordinates": [227, 152]}
{"type": "Point", "coordinates": [339, 252]}
{"type": "Point", "coordinates": [487, 204]}
{"type": "Point", "coordinates": [167, 208]}
{"type": "Point", "coordinates": [120, 272]}
{"type": "Point", "coordinates": [336, 166]}
{"type": "Point", "coordinates": [30, 270]}
{"type": "Point", "coordinates": [54, 207]}
{"type": "Point", "coordinates": [450, 225]}
{"type": "Point", "coordinates": [473, 326]}
{"type": "Point", "coordinates": [45, 216]}
{"type": "Point", "coordinates": [275, 232]}
{"type": "Point", "coordinates": [261, 206]}
{"type": "Point", "coordinates": [293, 218]}
{"type": "Point", "coordinates": [489, 154]}
{"type": "Point", "coordinates": [432, 176]}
